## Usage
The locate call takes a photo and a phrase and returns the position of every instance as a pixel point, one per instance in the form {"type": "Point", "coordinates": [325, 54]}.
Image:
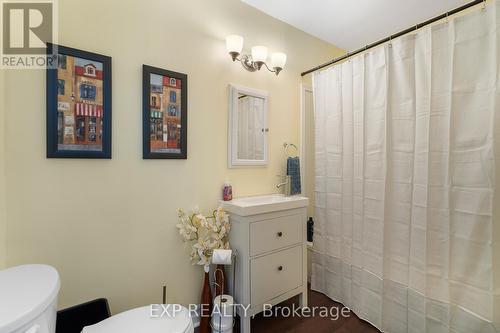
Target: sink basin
{"type": "Point", "coordinates": [264, 204]}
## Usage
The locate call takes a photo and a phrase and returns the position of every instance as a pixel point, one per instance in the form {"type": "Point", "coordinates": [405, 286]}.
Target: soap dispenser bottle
{"type": "Point", "coordinates": [310, 229]}
{"type": "Point", "coordinates": [227, 191]}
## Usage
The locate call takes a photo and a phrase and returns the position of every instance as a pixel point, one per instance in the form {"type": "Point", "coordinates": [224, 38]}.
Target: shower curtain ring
{"type": "Point", "coordinates": [390, 41]}
{"type": "Point", "coordinates": [484, 4]}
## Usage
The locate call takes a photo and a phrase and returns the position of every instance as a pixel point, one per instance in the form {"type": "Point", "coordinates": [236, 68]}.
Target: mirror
{"type": "Point", "coordinates": [248, 130]}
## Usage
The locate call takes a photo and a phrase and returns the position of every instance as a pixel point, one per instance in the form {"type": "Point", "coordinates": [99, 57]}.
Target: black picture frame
{"type": "Point", "coordinates": [52, 111]}
{"type": "Point", "coordinates": [147, 71]}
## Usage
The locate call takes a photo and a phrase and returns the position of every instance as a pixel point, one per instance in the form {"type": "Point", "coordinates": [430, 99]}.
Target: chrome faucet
{"type": "Point", "coordinates": [286, 184]}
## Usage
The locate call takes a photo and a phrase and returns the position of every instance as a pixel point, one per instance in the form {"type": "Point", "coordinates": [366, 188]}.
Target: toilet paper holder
{"type": "Point", "coordinates": [222, 289]}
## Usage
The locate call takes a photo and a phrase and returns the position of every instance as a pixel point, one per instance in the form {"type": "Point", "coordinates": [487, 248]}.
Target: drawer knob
{"type": "Point", "coordinates": [280, 268]}
{"type": "Point", "coordinates": [280, 234]}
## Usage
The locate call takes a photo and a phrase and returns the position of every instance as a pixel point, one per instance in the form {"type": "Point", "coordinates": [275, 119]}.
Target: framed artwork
{"type": "Point", "coordinates": [78, 104]}
{"type": "Point", "coordinates": [164, 114]}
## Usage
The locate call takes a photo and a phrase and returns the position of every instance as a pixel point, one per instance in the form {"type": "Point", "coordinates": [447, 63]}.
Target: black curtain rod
{"type": "Point", "coordinates": [399, 34]}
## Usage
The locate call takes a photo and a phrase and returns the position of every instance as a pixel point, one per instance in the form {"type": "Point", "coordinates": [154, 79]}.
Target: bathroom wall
{"type": "Point", "coordinates": [108, 226]}
{"type": "Point", "coordinates": [308, 141]}
{"type": "Point", "coordinates": [496, 227]}
{"type": "Point", "coordinates": [3, 215]}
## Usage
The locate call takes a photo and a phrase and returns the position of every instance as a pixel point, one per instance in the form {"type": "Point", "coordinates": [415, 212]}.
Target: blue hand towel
{"type": "Point", "coordinates": [293, 170]}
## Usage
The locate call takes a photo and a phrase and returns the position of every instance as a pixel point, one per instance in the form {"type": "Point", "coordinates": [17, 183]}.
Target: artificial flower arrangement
{"type": "Point", "coordinates": [204, 234]}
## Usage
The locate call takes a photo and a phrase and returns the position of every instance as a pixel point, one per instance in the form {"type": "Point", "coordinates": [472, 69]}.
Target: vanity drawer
{"type": "Point", "coordinates": [273, 234]}
{"type": "Point", "coordinates": [275, 274]}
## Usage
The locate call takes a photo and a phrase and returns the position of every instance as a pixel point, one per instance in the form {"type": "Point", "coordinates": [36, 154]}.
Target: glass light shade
{"type": "Point", "coordinates": [259, 53]}
{"type": "Point", "coordinates": [278, 60]}
{"type": "Point", "coordinates": [234, 43]}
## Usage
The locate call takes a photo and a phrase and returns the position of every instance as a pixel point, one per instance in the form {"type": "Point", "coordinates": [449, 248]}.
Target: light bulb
{"type": "Point", "coordinates": [234, 45]}
{"type": "Point", "coordinates": [259, 55]}
{"type": "Point", "coordinates": [278, 61]}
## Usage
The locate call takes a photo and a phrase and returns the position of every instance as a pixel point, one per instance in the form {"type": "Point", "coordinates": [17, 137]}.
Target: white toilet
{"type": "Point", "coordinates": [140, 320]}
{"type": "Point", "coordinates": [28, 299]}
{"type": "Point", "coordinates": [28, 304]}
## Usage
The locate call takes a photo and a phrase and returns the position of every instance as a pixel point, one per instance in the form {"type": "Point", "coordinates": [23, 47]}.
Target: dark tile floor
{"type": "Point", "coordinates": [317, 324]}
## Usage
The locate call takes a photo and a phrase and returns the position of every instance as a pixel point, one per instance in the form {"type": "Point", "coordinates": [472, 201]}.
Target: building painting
{"type": "Point", "coordinates": [80, 103]}
{"type": "Point", "coordinates": [65, 100]}
{"type": "Point", "coordinates": [165, 114]}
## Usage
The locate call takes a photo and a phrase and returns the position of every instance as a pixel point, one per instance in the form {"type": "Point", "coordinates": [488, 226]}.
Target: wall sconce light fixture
{"type": "Point", "coordinates": [257, 59]}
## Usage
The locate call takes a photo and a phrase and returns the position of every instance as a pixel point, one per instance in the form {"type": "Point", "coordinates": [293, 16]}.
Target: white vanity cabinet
{"type": "Point", "coordinates": [269, 236]}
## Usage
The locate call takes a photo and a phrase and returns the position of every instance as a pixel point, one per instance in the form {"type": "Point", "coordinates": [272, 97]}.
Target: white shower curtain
{"type": "Point", "coordinates": [404, 179]}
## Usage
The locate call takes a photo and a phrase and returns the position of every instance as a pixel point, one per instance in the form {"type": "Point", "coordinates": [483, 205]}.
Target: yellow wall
{"type": "Point", "coordinates": [496, 230]}
{"type": "Point", "coordinates": [108, 226]}
{"type": "Point", "coordinates": [309, 153]}
{"type": "Point", "coordinates": [3, 215]}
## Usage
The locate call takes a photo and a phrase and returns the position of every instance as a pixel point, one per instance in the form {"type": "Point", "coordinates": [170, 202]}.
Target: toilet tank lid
{"type": "Point", "coordinates": [26, 292]}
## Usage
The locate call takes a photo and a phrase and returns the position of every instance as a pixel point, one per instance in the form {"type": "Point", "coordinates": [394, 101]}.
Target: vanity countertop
{"type": "Point", "coordinates": [261, 204]}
